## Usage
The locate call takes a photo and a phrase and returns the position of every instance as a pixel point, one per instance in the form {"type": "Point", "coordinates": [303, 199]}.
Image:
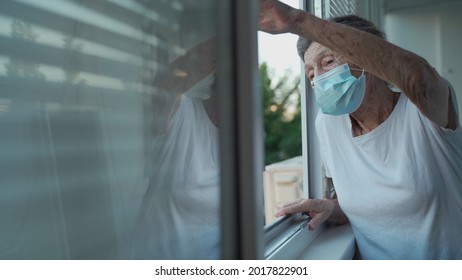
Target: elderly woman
{"type": "Point", "coordinates": [389, 135]}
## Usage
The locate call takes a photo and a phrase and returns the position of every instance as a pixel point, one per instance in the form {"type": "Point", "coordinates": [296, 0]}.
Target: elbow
{"type": "Point", "coordinates": [420, 89]}
{"type": "Point", "coordinates": [428, 91]}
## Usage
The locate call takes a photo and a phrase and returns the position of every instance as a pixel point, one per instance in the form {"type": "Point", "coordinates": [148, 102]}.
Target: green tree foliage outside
{"type": "Point", "coordinates": [282, 117]}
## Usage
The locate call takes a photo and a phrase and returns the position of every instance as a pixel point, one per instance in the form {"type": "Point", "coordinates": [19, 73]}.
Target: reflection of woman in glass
{"type": "Point", "coordinates": [178, 218]}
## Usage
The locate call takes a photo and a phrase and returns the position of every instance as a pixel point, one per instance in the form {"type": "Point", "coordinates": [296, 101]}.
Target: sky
{"type": "Point", "coordinates": [279, 51]}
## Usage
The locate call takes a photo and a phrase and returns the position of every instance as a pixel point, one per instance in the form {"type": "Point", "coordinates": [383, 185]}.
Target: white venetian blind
{"type": "Point", "coordinates": [343, 7]}
{"type": "Point", "coordinates": [333, 8]}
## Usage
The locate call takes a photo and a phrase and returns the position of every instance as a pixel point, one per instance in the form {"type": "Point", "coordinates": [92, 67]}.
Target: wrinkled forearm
{"type": "Point", "coordinates": [188, 69]}
{"type": "Point", "coordinates": [361, 48]}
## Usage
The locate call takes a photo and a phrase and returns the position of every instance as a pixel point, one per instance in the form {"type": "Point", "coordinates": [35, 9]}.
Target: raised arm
{"type": "Point", "coordinates": [410, 72]}
{"type": "Point", "coordinates": [178, 77]}
{"type": "Point", "coordinates": [188, 69]}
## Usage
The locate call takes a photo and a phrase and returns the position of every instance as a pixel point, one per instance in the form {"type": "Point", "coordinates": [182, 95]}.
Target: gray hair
{"type": "Point", "coordinates": [349, 20]}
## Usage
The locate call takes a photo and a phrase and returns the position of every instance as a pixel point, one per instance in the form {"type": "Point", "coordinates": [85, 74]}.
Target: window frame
{"type": "Point", "coordinates": [241, 131]}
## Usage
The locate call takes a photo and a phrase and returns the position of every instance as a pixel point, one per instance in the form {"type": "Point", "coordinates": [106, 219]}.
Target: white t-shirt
{"type": "Point", "coordinates": [179, 216]}
{"type": "Point", "coordinates": [400, 185]}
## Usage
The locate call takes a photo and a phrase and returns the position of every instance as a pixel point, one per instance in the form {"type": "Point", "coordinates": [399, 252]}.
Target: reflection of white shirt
{"type": "Point", "coordinates": [179, 215]}
{"type": "Point", "coordinates": [400, 185]}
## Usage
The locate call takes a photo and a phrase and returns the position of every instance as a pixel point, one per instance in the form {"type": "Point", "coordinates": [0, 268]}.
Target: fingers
{"type": "Point", "coordinates": [317, 220]}
{"type": "Point", "coordinates": [319, 205]}
{"type": "Point", "coordinates": [303, 205]}
{"type": "Point", "coordinates": [289, 208]}
{"type": "Point", "coordinates": [265, 17]}
{"type": "Point", "coordinates": [318, 209]}
{"type": "Point", "coordinates": [274, 16]}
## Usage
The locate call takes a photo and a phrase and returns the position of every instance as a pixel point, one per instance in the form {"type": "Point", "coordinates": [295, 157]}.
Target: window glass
{"type": "Point", "coordinates": [341, 7]}
{"type": "Point", "coordinates": [280, 79]}
{"type": "Point", "coordinates": [109, 134]}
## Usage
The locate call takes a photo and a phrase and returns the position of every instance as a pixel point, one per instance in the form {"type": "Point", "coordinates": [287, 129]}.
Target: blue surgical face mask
{"type": "Point", "coordinates": [338, 92]}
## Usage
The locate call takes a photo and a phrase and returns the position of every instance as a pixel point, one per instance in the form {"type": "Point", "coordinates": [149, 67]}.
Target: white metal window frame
{"type": "Point", "coordinates": [241, 135]}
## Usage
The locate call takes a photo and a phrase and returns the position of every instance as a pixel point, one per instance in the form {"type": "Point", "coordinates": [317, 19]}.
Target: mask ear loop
{"type": "Point", "coordinates": [394, 88]}
{"type": "Point", "coordinates": [357, 69]}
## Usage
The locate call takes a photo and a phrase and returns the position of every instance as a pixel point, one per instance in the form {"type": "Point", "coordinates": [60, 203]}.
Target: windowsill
{"type": "Point", "coordinates": [288, 238]}
{"type": "Point", "coordinates": [333, 243]}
